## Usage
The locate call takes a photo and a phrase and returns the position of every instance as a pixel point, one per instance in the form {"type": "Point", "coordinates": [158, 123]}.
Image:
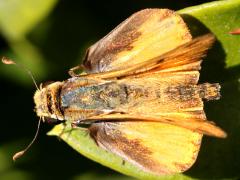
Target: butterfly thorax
{"type": "Point", "coordinates": [81, 101]}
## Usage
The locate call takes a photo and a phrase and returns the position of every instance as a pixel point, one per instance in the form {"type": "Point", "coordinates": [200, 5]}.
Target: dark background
{"type": "Point", "coordinates": [61, 38]}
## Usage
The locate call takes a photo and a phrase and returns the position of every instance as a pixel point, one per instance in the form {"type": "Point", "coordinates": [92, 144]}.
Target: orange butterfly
{"type": "Point", "coordinates": [139, 93]}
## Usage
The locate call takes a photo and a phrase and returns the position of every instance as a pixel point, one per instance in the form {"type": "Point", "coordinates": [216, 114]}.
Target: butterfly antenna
{"type": "Point", "coordinates": [8, 61]}
{"type": "Point", "coordinates": [21, 153]}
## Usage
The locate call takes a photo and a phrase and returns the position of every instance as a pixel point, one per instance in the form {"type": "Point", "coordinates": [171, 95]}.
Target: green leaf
{"type": "Point", "coordinates": [219, 18]}
{"type": "Point", "coordinates": [218, 158]}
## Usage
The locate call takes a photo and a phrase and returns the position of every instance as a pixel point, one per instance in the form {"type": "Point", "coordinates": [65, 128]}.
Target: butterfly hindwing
{"type": "Point", "coordinates": [151, 146]}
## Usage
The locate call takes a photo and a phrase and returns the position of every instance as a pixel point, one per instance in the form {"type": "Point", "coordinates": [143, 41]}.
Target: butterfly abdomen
{"type": "Point", "coordinates": [209, 91]}
{"type": "Point", "coordinates": [187, 92]}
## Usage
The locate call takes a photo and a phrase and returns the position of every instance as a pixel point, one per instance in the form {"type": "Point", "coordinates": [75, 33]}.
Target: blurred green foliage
{"type": "Point", "coordinates": [51, 36]}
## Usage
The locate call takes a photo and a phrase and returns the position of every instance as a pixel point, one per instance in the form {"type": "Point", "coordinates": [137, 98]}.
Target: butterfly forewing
{"type": "Point", "coordinates": [143, 36]}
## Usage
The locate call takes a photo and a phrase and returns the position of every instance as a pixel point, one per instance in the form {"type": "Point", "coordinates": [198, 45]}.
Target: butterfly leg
{"type": "Point", "coordinates": [80, 123]}
{"type": "Point", "coordinates": [74, 125]}
{"type": "Point", "coordinates": [72, 72]}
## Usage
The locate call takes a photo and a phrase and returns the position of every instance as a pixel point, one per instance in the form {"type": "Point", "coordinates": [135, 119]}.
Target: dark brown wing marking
{"type": "Point", "coordinates": [110, 137]}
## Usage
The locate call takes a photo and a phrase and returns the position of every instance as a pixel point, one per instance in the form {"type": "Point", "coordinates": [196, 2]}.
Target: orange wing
{"type": "Point", "coordinates": [186, 57]}
{"type": "Point", "coordinates": [143, 36]}
{"type": "Point", "coordinates": [154, 147]}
